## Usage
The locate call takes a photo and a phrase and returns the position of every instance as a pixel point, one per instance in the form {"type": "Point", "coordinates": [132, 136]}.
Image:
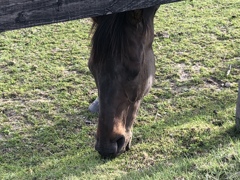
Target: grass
{"type": "Point", "coordinates": [185, 127]}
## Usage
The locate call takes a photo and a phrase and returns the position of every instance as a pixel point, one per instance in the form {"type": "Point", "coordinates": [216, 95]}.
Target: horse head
{"type": "Point", "coordinates": [123, 66]}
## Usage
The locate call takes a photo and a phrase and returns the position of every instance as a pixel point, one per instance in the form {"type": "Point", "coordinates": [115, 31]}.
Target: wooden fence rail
{"type": "Point", "coordinates": [16, 14]}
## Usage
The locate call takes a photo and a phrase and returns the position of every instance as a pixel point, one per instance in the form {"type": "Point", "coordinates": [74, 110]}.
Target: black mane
{"type": "Point", "coordinates": [108, 38]}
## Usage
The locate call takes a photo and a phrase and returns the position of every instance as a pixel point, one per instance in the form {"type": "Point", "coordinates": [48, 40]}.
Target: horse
{"type": "Point", "coordinates": [123, 66]}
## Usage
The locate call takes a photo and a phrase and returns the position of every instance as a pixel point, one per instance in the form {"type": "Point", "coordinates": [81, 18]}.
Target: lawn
{"type": "Point", "coordinates": [185, 128]}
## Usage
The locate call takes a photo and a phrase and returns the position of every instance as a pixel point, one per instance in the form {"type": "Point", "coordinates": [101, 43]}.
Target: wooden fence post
{"type": "Point", "coordinates": [238, 109]}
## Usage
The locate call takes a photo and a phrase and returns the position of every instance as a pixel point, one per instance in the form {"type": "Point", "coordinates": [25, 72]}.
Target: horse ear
{"type": "Point", "coordinates": [135, 16]}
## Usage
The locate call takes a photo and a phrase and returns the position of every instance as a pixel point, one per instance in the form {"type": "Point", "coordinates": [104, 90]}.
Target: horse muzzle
{"type": "Point", "coordinates": [111, 149]}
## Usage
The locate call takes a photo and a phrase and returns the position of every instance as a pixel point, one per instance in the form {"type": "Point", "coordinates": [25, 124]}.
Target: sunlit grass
{"type": "Point", "coordinates": [185, 127]}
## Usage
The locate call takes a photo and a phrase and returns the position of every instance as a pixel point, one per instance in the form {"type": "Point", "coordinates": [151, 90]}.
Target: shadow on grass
{"type": "Point", "coordinates": [194, 141]}
{"type": "Point", "coordinates": [193, 165]}
{"type": "Point", "coordinates": [51, 151]}
{"type": "Point", "coordinates": [67, 148]}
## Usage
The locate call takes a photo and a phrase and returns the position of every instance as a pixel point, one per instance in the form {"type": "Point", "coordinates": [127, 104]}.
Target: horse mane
{"type": "Point", "coordinates": [109, 38]}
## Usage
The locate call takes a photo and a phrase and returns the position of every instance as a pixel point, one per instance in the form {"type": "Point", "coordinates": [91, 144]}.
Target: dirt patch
{"type": "Point", "coordinates": [183, 74]}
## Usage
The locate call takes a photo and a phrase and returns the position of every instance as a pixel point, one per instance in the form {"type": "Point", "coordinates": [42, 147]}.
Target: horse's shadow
{"type": "Point", "coordinates": [73, 151]}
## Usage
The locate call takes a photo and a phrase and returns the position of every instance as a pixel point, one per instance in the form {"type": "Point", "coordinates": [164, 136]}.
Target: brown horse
{"type": "Point", "coordinates": [122, 63]}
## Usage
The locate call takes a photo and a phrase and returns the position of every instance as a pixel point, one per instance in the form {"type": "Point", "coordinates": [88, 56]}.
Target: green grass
{"type": "Point", "coordinates": [185, 127]}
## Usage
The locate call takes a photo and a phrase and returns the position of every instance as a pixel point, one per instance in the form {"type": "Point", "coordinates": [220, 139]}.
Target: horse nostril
{"type": "Point", "coordinates": [106, 150]}
{"type": "Point", "coordinates": [120, 143]}
{"type": "Point", "coordinates": [110, 149]}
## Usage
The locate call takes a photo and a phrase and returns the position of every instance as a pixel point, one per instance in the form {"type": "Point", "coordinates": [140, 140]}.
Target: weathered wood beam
{"type": "Point", "coordinates": [16, 14]}
{"type": "Point", "coordinates": [238, 109]}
